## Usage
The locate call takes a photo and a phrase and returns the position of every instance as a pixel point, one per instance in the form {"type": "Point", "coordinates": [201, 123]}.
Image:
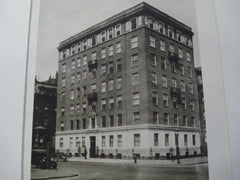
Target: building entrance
{"type": "Point", "coordinates": [92, 146]}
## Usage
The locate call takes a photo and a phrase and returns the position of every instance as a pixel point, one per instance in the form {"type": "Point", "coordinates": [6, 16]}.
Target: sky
{"type": "Point", "coordinates": [60, 19]}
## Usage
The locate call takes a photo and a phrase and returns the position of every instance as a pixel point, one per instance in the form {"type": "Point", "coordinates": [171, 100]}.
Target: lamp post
{"type": "Point", "coordinates": [177, 146]}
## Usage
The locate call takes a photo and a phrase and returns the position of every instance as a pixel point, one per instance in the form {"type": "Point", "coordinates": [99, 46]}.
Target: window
{"type": "Point", "coordinates": [133, 23]}
{"type": "Point", "coordinates": [166, 119]}
{"type": "Point", "coordinates": [103, 141]}
{"type": "Point", "coordinates": [184, 120]}
{"type": "Point", "coordinates": [165, 100]}
{"type": "Point", "coordinates": [118, 29]}
{"type": "Point", "coordinates": [110, 33]}
{"type": "Point", "coordinates": [136, 117]}
{"type": "Point", "coordinates": [171, 48]}
{"type": "Point", "coordinates": [84, 107]}
{"type": "Point", "coordinates": [152, 41]}
{"type": "Point", "coordinates": [103, 87]}
{"type": "Point", "coordinates": [119, 119]}
{"type": "Point", "coordinates": [182, 69]}
{"type": "Point", "coordinates": [191, 104]}
{"type": "Point", "coordinates": [78, 124]}
{"type": "Point", "coordinates": [85, 60]}
{"type": "Point", "coordinates": [190, 72]}
{"type": "Point", "coordinates": [134, 42]}
{"type": "Point", "coordinates": [135, 98]}
{"type": "Point", "coordinates": [110, 50]}
{"type": "Point", "coordinates": [176, 139]}
{"type": "Point", "coordinates": [110, 85]}
{"type": "Point", "coordinates": [84, 75]}
{"type": "Point", "coordinates": [62, 126]}
{"type": "Point", "coordinates": [118, 47]}
{"type": "Point", "coordinates": [83, 141]}
{"type": "Point", "coordinates": [119, 101]}
{"type": "Point", "coordinates": [118, 83]}
{"type": "Point", "coordinates": [72, 109]}
{"type": "Point", "coordinates": [63, 82]}
{"type": "Point", "coordinates": [163, 63]}
{"type": "Point", "coordinates": [170, 32]}
{"type": "Point", "coordinates": [84, 91]}
{"type": "Point", "coordinates": [84, 127]}
{"type": "Point", "coordinates": [78, 77]}
{"type": "Point", "coordinates": [78, 108]}
{"type": "Point", "coordinates": [150, 23]}
{"type": "Point", "coordinates": [72, 94]}
{"type": "Point", "coordinates": [111, 141]}
{"type": "Point", "coordinates": [72, 79]}
{"type": "Point", "coordinates": [63, 96]}
{"type": "Point", "coordinates": [161, 28]}
{"type": "Point", "coordinates": [178, 35]}
{"type": "Point", "coordinates": [154, 60]}
{"type": "Point", "coordinates": [184, 104]}
{"type": "Point", "coordinates": [63, 68]}
{"type": "Point", "coordinates": [190, 85]}
{"type": "Point", "coordinates": [175, 102]}
{"type": "Point", "coordinates": [104, 121]}
{"type": "Point", "coordinates": [93, 123]}
{"type": "Point", "coordinates": [119, 140]}
{"type": "Point", "coordinates": [173, 67]}
{"type": "Point", "coordinates": [155, 98]}
{"type": "Point", "coordinates": [175, 120]}
{"type": "Point", "coordinates": [111, 120]}
{"type": "Point", "coordinates": [155, 139]}
{"type": "Point", "coordinates": [164, 81]}
{"type": "Point", "coordinates": [111, 103]}
{"type": "Point", "coordinates": [71, 124]}
{"type": "Point", "coordinates": [180, 53]}
{"type": "Point", "coordinates": [154, 78]}
{"type": "Point", "coordinates": [61, 143]}
{"type": "Point", "coordinates": [185, 140]}
{"type": "Point", "coordinates": [93, 40]}
{"type": "Point", "coordinates": [194, 140]}
{"type": "Point", "coordinates": [162, 45]}
{"type": "Point", "coordinates": [118, 65]}
{"type": "Point", "coordinates": [103, 36]}
{"type": "Point", "coordinates": [79, 47]}
{"type": "Point", "coordinates": [188, 56]}
{"type": "Point", "coordinates": [166, 139]}
{"type": "Point", "coordinates": [182, 86]}
{"type": "Point", "coordinates": [134, 60]}
{"type": "Point", "coordinates": [93, 87]}
{"type": "Point", "coordinates": [135, 79]}
{"type": "Point", "coordinates": [84, 44]}
{"type": "Point", "coordinates": [110, 67]}
{"type": "Point", "coordinates": [155, 118]}
{"type": "Point", "coordinates": [103, 104]}
{"type": "Point", "coordinates": [103, 53]}
{"type": "Point", "coordinates": [73, 64]}
{"type": "Point", "coordinates": [62, 111]}
{"type": "Point", "coordinates": [103, 69]}
{"type": "Point", "coordinates": [174, 83]}
{"type": "Point", "coordinates": [136, 140]}
{"type": "Point", "coordinates": [94, 56]}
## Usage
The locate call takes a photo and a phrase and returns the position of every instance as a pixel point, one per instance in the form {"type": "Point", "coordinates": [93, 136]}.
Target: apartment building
{"type": "Point", "coordinates": [127, 86]}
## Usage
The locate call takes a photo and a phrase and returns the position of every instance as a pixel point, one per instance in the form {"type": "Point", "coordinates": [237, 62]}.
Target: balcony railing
{"type": "Point", "coordinates": [92, 64]}
{"type": "Point", "coordinates": [172, 56]}
{"type": "Point", "coordinates": [92, 97]}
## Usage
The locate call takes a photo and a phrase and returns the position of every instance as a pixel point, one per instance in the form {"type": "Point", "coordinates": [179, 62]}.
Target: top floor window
{"type": "Point", "coordinates": [161, 28]}
{"type": "Point", "coordinates": [178, 36]}
{"type": "Point", "coordinates": [150, 23]}
{"type": "Point", "coordinates": [84, 44]}
{"type": "Point", "coordinates": [133, 23]}
{"type": "Point", "coordinates": [93, 40]}
{"type": "Point", "coordinates": [180, 53]}
{"type": "Point", "coordinates": [170, 32]}
{"type": "Point", "coordinates": [110, 33]}
{"type": "Point", "coordinates": [63, 68]}
{"type": "Point", "coordinates": [73, 64]}
{"type": "Point", "coordinates": [134, 42]}
{"type": "Point", "coordinates": [118, 47]}
{"type": "Point", "coordinates": [152, 41]}
{"type": "Point", "coordinates": [118, 29]}
{"type": "Point", "coordinates": [103, 36]}
{"type": "Point", "coordinates": [94, 56]}
{"type": "Point", "coordinates": [188, 56]}
{"type": "Point", "coordinates": [110, 50]}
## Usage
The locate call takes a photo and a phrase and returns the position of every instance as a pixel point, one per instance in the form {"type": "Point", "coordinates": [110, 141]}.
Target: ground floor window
{"type": "Point", "coordinates": [103, 141]}
{"type": "Point", "coordinates": [136, 140]}
{"type": "Point", "coordinates": [111, 141]}
{"type": "Point", "coordinates": [61, 142]}
{"type": "Point", "coordinates": [166, 139]}
{"type": "Point", "coordinates": [119, 140]}
{"type": "Point", "coordinates": [156, 139]}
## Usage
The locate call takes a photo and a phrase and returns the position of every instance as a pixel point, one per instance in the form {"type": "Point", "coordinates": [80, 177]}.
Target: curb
{"type": "Point", "coordinates": [56, 177]}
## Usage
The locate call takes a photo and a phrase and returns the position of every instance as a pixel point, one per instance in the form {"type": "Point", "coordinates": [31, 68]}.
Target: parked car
{"type": "Point", "coordinates": [61, 157]}
{"type": "Point", "coordinates": [39, 158]}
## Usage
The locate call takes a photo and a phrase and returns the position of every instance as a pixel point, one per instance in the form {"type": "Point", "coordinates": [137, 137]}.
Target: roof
{"type": "Point", "coordinates": [124, 14]}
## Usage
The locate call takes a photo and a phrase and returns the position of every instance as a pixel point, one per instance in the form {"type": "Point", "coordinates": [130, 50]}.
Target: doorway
{"type": "Point", "coordinates": [92, 146]}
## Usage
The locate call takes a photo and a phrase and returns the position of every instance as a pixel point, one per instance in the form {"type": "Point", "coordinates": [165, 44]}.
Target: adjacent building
{"type": "Point", "coordinates": [44, 114]}
{"type": "Point", "coordinates": [127, 86]}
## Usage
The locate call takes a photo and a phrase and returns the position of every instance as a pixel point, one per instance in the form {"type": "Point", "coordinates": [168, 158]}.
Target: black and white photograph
{"type": "Point", "coordinates": [118, 92]}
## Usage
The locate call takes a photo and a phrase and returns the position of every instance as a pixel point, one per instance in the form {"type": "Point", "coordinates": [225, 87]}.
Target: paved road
{"type": "Point", "coordinates": [100, 171]}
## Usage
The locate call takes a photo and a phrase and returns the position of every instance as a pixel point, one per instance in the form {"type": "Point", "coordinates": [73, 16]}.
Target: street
{"type": "Point", "coordinates": [100, 171]}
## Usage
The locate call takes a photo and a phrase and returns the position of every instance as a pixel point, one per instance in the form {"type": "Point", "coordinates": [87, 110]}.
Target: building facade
{"type": "Point", "coordinates": [127, 86]}
{"type": "Point", "coordinates": [44, 113]}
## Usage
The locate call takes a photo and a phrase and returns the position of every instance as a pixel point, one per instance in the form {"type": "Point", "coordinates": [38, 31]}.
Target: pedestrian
{"type": "Point", "coordinates": [135, 158]}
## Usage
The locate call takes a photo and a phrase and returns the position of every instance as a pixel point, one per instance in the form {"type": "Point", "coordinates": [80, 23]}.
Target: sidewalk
{"type": "Point", "coordinates": [187, 161]}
